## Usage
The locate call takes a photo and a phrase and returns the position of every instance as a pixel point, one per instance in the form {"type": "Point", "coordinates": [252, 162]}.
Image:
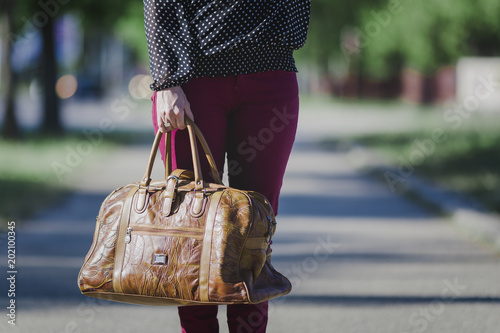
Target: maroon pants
{"type": "Point", "coordinates": [253, 119]}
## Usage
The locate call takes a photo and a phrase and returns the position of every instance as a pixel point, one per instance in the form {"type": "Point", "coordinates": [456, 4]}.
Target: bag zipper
{"type": "Point", "coordinates": [151, 231]}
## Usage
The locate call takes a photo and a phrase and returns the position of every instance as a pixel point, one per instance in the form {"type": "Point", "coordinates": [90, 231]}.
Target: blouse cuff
{"type": "Point", "coordinates": [169, 83]}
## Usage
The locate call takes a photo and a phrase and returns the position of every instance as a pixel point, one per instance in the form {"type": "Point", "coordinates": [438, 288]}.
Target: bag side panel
{"type": "Point", "coordinates": [268, 285]}
{"type": "Point", "coordinates": [231, 227]}
{"type": "Point", "coordinates": [97, 271]}
{"type": "Point", "coordinates": [265, 283]}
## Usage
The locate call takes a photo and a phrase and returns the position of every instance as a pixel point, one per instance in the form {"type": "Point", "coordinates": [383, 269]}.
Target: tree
{"type": "Point", "coordinates": [51, 106]}
{"type": "Point", "coordinates": [102, 15]}
{"type": "Point", "coordinates": [10, 126]}
{"type": "Point", "coordinates": [329, 19]}
{"type": "Point", "coordinates": [430, 34]}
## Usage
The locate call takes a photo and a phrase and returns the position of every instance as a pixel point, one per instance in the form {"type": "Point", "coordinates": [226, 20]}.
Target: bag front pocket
{"type": "Point", "coordinates": [162, 262]}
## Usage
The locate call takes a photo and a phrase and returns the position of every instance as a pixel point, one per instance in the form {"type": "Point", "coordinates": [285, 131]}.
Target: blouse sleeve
{"type": "Point", "coordinates": [169, 42]}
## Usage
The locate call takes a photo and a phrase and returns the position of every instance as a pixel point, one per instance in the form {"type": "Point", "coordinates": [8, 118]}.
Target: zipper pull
{"type": "Point", "coordinates": [127, 235]}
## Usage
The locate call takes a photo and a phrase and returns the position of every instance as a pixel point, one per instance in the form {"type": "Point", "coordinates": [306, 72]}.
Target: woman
{"type": "Point", "coordinates": [228, 64]}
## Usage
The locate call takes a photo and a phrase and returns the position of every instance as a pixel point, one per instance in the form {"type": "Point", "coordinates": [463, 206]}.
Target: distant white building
{"type": "Point", "coordinates": [478, 83]}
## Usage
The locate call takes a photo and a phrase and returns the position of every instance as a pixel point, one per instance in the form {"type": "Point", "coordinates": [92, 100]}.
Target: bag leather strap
{"type": "Point", "coordinates": [206, 251]}
{"type": "Point", "coordinates": [168, 154]}
{"type": "Point", "coordinates": [172, 182]}
{"type": "Point", "coordinates": [206, 150]}
{"type": "Point", "coordinates": [194, 132]}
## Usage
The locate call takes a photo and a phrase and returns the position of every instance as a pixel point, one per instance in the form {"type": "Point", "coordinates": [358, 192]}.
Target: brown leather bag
{"type": "Point", "coordinates": [182, 241]}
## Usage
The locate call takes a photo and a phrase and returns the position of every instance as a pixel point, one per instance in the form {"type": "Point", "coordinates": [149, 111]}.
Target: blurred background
{"type": "Point", "coordinates": [413, 85]}
{"type": "Point", "coordinates": [394, 71]}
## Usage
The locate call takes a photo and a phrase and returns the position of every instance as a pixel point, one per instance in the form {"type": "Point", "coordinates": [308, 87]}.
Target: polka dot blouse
{"type": "Point", "coordinates": [198, 38]}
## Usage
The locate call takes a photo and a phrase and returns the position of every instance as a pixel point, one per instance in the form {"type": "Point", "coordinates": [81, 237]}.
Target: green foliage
{"type": "Point", "coordinates": [96, 15]}
{"type": "Point", "coordinates": [428, 34]}
{"type": "Point", "coordinates": [100, 14]}
{"type": "Point", "coordinates": [123, 18]}
{"type": "Point", "coordinates": [423, 34]}
{"type": "Point", "coordinates": [130, 28]}
{"type": "Point", "coordinates": [328, 19]}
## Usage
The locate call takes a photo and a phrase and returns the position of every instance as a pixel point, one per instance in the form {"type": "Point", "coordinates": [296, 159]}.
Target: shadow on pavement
{"type": "Point", "coordinates": [355, 300]}
{"type": "Point", "coordinates": [322, 205]}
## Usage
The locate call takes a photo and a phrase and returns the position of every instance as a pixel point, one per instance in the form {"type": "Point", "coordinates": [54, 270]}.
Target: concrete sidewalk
{"type": "Point", "coordinates": [361, 258]}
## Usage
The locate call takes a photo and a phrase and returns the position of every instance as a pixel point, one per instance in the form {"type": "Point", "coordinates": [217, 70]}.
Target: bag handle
{"type": "Point", "coordinates": [206, 149]}
{"type": "Point", "coordinates": [194, 132]}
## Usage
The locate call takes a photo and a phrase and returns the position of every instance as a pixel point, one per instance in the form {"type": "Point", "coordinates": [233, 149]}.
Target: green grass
{"type": "Point", "coordinates": [466, 160]}
{"type": "Point", "coordinates": [21, 198]}
{"type": "Point", "coordinates": [325, 101]}
{"type": "Point", "coordinates": [28, 180]}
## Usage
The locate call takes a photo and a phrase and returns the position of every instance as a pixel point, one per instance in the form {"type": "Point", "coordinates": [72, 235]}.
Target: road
{"type": "Point", "coordinates": [362, 259]}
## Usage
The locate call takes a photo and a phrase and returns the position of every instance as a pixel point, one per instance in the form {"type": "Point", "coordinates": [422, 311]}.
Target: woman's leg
{"type": "Point", "coordinates": [199, 319]}
{"type": "Point", "coordinates": [247, 318]}
{"type": "Point", "coordinates": [261, 132]}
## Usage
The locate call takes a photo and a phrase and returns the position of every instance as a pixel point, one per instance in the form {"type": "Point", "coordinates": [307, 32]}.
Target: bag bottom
{"type": "Point", "coordinates": [150, 300]}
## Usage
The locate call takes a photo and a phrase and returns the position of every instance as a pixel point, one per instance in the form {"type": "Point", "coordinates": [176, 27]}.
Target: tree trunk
{"type": "Point", "coordinates": [10, 128]}
{"type": "Point", "coordinates": [51, 113]}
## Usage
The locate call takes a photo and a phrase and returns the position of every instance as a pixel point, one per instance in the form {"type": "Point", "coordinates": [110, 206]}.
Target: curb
{"type": "Point", "coordinates": [462, 210]}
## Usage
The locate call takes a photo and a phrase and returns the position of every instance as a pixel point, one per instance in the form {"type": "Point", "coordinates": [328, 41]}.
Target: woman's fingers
{"type": "Point", "coordinates": [179, 117]}
{"type": "Point", "coordinates": [160, 119]}
{"type": "Point", "coordinates": [189, 113]}
{"type": "Point", "coordinates": [172, 106]}
{"type": "Point", "coordinates": [186, 111]}
{"type": "Point", "coordinates": [171, 118]}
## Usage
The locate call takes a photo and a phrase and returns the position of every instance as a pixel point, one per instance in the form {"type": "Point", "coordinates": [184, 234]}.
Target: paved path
{"type": "Point", "coordinates": [362, 259]}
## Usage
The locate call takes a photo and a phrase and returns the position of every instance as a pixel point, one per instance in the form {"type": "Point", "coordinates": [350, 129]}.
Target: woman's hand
{"type": "Point", "coordinates": [171, 106]}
